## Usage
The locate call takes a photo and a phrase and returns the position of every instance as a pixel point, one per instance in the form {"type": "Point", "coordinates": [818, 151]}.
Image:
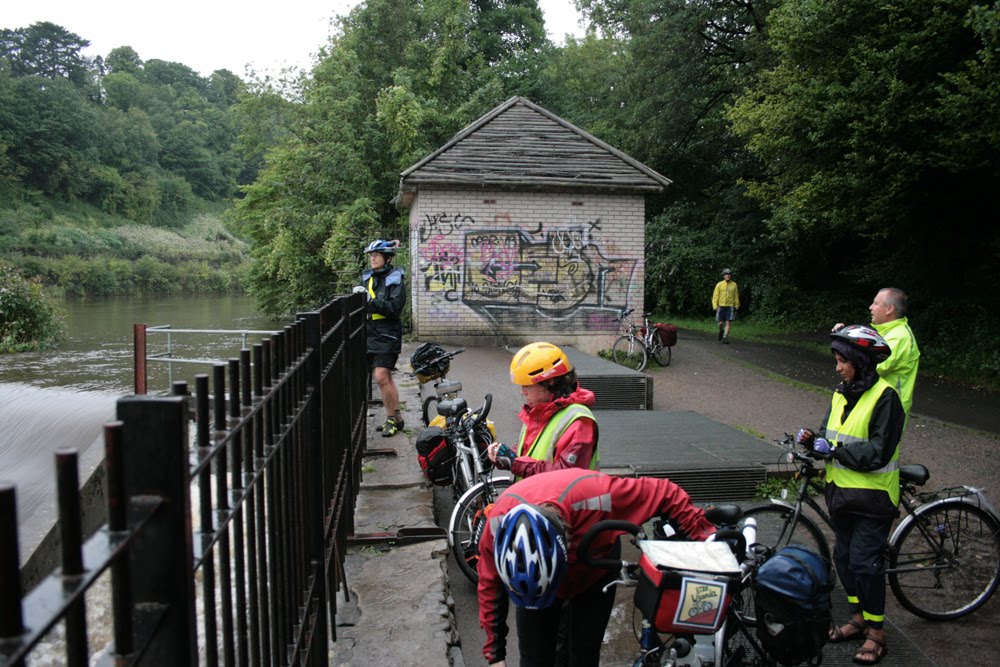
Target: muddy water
{"type": "Point", "coordinates": [62, 397]}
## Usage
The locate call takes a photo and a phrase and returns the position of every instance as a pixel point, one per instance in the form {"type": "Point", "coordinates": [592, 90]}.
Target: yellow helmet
{"type": "Point", "coordinates": [537, 362]}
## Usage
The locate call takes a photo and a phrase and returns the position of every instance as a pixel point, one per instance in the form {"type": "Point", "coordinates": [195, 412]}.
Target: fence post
{"type": "Point", "coordinates": [139, 357]}
{"type": "Point", "coordinates": [11, 614]}
{"type": "Point", "coordinates": [161, 562]}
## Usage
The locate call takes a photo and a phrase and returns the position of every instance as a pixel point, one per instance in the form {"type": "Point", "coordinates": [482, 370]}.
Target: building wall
{"type": "Point", "coordinates": [491, 267]}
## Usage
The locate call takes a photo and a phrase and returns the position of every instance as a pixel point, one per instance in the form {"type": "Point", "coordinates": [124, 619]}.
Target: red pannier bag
{"type": "Point", "coordinates": [686, 587]}
{"type": "Point", "coordinates": [435, 455]}
{"type": "Point", "coordinates": [667, 333]}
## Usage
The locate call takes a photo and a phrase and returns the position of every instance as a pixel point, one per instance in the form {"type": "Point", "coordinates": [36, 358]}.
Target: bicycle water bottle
{"type": "Point", "coordinates": [750, 532]}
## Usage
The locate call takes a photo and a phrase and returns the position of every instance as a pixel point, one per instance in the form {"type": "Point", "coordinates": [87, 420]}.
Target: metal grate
{"type": "Point", "coordinates": [711, 484]}
{"type": "Point", "coordinates": [614, 387]}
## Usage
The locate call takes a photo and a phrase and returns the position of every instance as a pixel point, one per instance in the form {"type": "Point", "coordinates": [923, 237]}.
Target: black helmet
{"type": "Point", "coordinates": [865, 339]}
{"type": "Point", "coordinates": [725, 271]}
{"type": "Point", "coordinates": [429, 362]}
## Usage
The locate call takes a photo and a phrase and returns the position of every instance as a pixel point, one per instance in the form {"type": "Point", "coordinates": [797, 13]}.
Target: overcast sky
{"type": "Point", "coordinates": [207, 35]}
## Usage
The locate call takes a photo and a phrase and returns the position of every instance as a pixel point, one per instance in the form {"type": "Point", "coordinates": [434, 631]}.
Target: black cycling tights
{"type": "Point", "coordinates": [583, 619]}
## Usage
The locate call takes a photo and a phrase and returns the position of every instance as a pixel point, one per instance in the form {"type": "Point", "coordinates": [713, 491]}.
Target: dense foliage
{"type": "Point", "coordinates": [822, 148]}
{"type": "Point", "coordinates": [28, 320]}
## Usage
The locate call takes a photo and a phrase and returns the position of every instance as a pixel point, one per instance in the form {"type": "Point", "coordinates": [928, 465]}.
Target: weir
{"type": "Point", "coordinates": [34, 423]}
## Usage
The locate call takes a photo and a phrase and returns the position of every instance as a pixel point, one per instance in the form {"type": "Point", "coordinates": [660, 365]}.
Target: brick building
{"type": "Point", "coordinates": [524, 227]}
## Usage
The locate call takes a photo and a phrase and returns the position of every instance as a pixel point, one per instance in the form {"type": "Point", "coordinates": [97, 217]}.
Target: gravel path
{"type": "Point", "coordinates": [726, 383]}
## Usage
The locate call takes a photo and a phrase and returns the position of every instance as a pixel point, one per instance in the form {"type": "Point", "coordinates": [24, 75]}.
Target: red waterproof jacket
{"type": "Point", "coordinates": [583, 497]}
{"type": "Point", "coordinates": [574, 449]}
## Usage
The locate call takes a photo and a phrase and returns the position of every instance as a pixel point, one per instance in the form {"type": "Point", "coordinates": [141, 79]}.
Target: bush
{"type": "Point", "coordinates": [27, 320]}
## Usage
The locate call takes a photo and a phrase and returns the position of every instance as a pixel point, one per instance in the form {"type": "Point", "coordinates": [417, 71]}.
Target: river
{"type": "Point", "coordinates": [62, 397]}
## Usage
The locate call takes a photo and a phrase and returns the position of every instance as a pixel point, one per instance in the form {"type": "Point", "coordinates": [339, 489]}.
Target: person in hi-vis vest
{"type": "Point", "coordinates": [860, 444]}
{"type": "Point", "coordinates": [559, 429]}
{"type": "Point", "coordinates": [383, 283]}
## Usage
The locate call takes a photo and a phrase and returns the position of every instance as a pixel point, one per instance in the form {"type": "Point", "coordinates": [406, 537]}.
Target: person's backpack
{"type": "Point", "coordinates": [435, 455]}
{"type": "Point", "coordinates": [792, 600]}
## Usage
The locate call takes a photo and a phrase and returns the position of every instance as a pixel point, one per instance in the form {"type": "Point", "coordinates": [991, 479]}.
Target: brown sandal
{"type": "Point", "coordinates": [839, 634]}
{"type": "Point", "coordinates": [871, 656]}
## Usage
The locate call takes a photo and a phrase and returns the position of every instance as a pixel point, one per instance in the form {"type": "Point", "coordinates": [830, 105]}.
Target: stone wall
{"type": "Point", "coordinates": [492, 267]}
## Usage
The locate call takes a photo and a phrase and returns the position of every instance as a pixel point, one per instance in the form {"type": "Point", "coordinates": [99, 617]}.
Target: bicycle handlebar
{"type": "Point", "coordinates": [485, 410]}
{"type": "Point", "coordinates": [583, 551]}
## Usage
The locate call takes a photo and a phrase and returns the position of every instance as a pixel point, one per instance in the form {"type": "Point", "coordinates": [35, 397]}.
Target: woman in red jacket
{"type": "Point", "coordinates": [539, 522]}
{"type": "Point", "coordinates": [559, 429]}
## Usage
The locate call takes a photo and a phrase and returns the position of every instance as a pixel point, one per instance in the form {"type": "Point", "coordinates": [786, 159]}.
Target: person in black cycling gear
{"type": "Point", "coordinates": [384, 285]}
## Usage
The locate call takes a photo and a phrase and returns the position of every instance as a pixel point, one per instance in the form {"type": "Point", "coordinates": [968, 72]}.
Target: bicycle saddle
{"type": "Point", "coordinates": [914, 473]}
{"type": "Point", "coordinates": [724, 515]}
{"type": "Point", "coordinates": [452, 407]}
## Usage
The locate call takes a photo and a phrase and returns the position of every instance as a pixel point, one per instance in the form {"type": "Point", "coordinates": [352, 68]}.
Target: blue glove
{"type": "Point", "coordinates": [504, 457]}
{"type": "Point", "coordinates": [821, 448]}
{"type": "Point", "coordinates": [804, 437]}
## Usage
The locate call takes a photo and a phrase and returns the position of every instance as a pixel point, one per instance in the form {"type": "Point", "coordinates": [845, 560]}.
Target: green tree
{"type": "Point", "coordinates": [398, 80]}
{"type": "Point", "coordinates": [47, 50]}
{"type": "Point", "coordinates": [870, 157]}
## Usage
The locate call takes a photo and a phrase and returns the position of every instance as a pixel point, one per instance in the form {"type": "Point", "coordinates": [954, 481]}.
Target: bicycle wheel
{"type": "Point", "coordinates": [945, 563]}
{"type": "Point", "coordinates": [629, 352]}
{"type": "Point", "coordinates": [467, 522]}
{"type": "Point", "coordinates": [775, 529]}
{"type": "Point", "coordinates": [660, 353]}
{"type": "Point", "coordinates": [736, 642]}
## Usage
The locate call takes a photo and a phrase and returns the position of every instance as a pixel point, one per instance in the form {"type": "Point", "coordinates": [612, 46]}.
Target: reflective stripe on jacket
{"type": "Point", "coordinates": [371, 295]}
{"type": "Point", "coordinates": [854, 429]}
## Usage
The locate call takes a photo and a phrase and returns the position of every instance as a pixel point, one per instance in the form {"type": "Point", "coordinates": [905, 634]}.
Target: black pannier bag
{"type": "Point", "coordinates": [792, 599]}
{"type": "Point", "coordinates": [435, 455]}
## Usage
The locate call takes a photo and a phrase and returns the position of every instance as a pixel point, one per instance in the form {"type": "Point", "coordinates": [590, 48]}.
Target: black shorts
{"type": "Point", "coordinates": [383, 361]}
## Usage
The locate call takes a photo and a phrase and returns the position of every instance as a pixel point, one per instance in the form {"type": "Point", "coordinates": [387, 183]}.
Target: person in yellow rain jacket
{"type": "Point", "coordinates": [725, 303]}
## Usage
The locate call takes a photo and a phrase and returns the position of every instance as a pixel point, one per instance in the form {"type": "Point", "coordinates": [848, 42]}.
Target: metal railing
{"type": "Point", "coordinates": [246, 520]}
{"type": "Point", "coordinates": [142, 357]}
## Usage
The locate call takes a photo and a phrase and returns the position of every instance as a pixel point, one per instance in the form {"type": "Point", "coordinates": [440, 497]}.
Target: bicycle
{"type": "Point", "coordinates": [726, 635]}
{"type": "Point", "coordinates": [637, 344]}
{"type": "Point", "coordinates": [430, 364]}
{"type": "Point", "coordinates": [474, 487]}
{"type": "Point", "coordinates": [943, 557]}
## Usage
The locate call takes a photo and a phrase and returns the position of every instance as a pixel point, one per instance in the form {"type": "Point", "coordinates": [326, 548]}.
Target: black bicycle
{"type": "Point", "coordinates": [943, 557]}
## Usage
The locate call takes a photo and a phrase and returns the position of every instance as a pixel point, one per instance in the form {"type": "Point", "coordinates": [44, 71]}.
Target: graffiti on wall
{"type": "Point", "coordinates": [557, 271]}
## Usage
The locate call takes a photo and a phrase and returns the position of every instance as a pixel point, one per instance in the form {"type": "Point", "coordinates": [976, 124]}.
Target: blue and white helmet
{"type": "Point", "coordinates": [384, 247]}
{"type": "Point", "coordinates": [530, 555]}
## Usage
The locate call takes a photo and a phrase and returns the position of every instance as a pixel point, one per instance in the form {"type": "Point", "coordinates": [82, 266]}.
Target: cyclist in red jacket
{"type": "Point", "coordinates": [559, 428]}
{"type": "Point", "coordinates": [528, 555]}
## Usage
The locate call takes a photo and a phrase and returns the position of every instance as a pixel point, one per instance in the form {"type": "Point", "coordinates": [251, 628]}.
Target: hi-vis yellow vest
{"type": "Point", "coordinates": [543, 449]}
{"type": "Point", "coordinates": [855, 429]}
{"type": "Point", "coordinates": [371, 295]}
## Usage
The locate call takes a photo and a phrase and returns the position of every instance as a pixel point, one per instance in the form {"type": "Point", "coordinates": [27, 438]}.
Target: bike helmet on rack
{"type": "Point", "coordinates": [865, 339]}
{"type": "Point", "coordinates": [530, 556]}
{"type": "Point", "coordinates": [429, 362]}
{"type": "Point", "coordinates": [538, 362]}
{"type": "Point", "coordinates": [384, 247]}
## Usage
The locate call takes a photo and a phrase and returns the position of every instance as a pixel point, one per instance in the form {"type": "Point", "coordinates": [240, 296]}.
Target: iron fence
{"type": "Point", "coordinates": [234, 533]}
